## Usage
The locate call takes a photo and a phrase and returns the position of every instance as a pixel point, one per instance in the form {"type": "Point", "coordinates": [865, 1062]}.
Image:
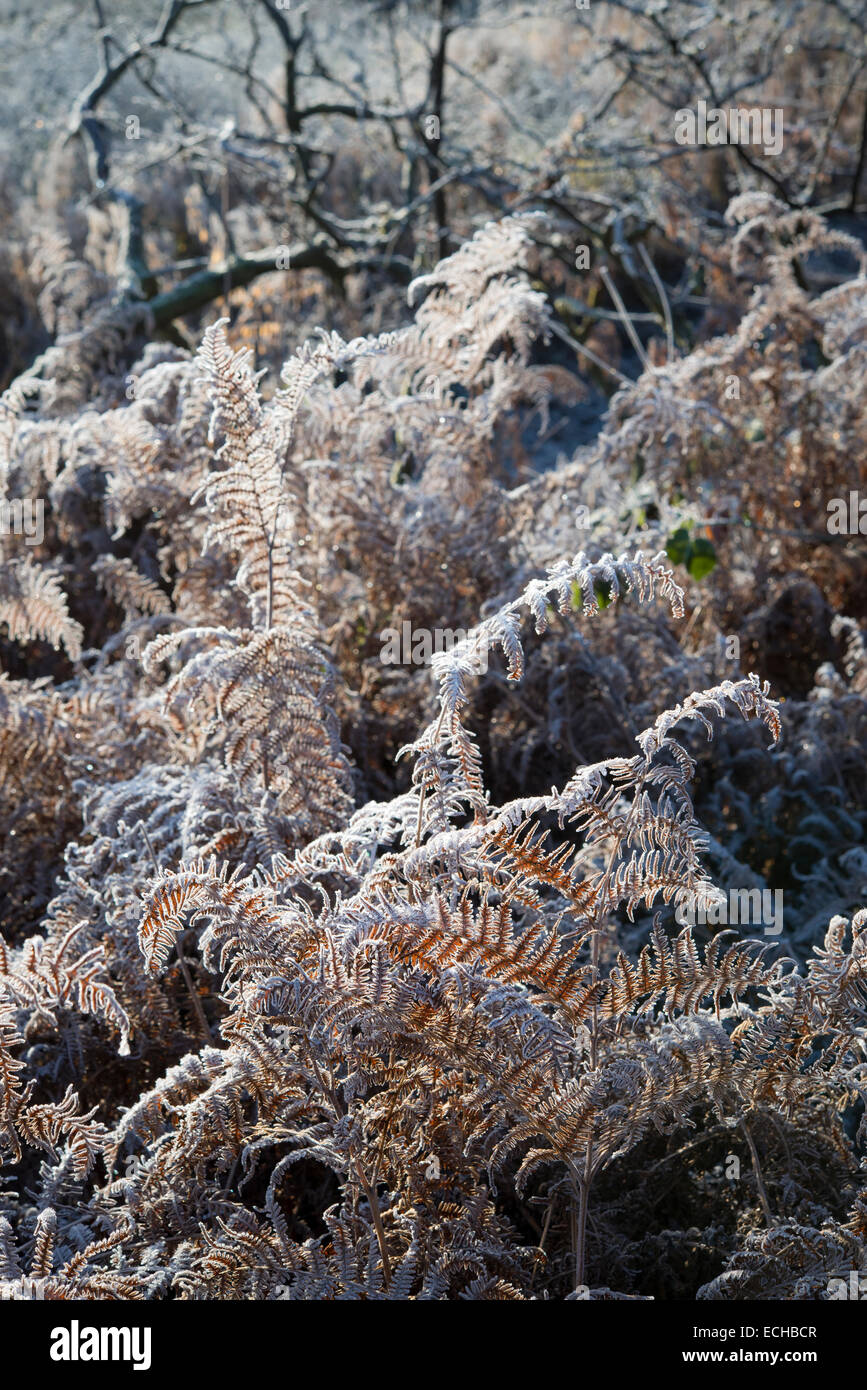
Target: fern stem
{"type": "Point", "coordinates": [585, 1181]}
{"type": "Point", "coordinates": [373, 1203]}
{"type": "Point", "coordinates": [543, 1237]}
{"type": "Point", "coordinates": [269, 612]}
{"type": "Point", "coordinates": [760, 1182]}
{"type": "Point", "coordinates": [584, 1184]}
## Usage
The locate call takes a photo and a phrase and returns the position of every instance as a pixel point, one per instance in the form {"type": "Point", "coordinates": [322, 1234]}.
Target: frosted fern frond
{"type": "Point", "coordinates": [34, 606]}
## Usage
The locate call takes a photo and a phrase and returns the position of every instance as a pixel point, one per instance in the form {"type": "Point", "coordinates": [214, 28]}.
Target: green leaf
{"type": "Point", "coordinates": [603, 593]}
{"type": "Point", "coordinates": [602, 590]}
{"type": "Point", "coordinates": [702, 559]}
{"type": "Point", "coordinates": [678, 546]}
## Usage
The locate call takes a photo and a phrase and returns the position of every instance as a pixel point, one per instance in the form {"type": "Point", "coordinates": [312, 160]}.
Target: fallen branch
{"type": "Point", "coordinates": [206, 285]}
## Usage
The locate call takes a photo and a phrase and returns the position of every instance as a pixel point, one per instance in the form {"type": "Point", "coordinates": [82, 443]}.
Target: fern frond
{"type": "Point", "coordinates": [33, 605]}
{"type": "Point", "coordinates": [672, 973]}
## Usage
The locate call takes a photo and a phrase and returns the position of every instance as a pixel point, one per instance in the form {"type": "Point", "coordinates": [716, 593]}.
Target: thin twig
{"type": "Point", "coordinates": [663, 299]}
{"type": "Point", "coordinates": [625, 319]}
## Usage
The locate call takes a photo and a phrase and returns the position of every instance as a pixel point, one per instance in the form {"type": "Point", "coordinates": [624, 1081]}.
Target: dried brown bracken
{"type": "Point", "coordinates": [290, 1016]}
